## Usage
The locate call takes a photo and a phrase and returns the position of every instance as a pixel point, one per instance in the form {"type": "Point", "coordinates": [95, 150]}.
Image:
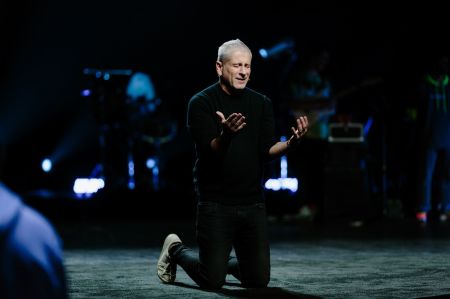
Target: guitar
{"type": "Point", "coordinates": [318, 107]}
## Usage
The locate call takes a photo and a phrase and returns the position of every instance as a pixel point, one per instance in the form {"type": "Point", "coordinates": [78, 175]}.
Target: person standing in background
{"type": "Point", "coordinates": [309, 92]}
{"type": "Point", "coordinates": [434, 125]}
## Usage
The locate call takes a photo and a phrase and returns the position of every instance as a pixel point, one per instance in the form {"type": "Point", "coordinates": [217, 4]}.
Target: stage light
{"type": "Point", "coordinates": [150, 163]}
{"type": "Point", "coordinates": [85, 187]}
{"type": "Point", "coordinates": [105, 74]}
{"type": "Point", "coordinates": [290, 184]}
{"type": "Point", "coordinates": [86, 92]}
{"type": "Point", "coordinates": [46, 165]}
{"type": "Point", "coordinates": [131, 182]}
{"type": "Point", "coordinates": [283, 182]}
{"type": "Point", "coordinates": [273, 184]}
{"type": "Point", "coordinates": [263, 53]}
{"type": "Point", "coordinates": [285, 46]}
{"type": "Point", "coordinates": [283, 167]}
{"type": "Point", "coordinates": [367, 126]}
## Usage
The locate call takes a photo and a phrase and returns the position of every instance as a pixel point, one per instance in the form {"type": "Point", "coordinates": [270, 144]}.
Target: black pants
{"type": "Point", "coordinates": [218, 229]}
{"type": "Point", "coordinates": [435, 158]}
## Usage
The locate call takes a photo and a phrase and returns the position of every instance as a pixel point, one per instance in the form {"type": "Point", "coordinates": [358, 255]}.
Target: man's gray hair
{"type": "Point", "coordinates": [227, 47]}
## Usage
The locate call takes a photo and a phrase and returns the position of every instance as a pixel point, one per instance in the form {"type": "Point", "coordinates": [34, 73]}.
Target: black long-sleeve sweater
{"type": "Point", "coordinates": [233, 176]}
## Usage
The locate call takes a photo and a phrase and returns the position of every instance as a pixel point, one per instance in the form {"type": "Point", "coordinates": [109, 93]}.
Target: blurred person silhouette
{"type": "Point", "coordinates": [309, 92]}
{"type": "Point", "coordinates": [233, 129]}
{"type": "Point", "coordinates": [149, 128]}
{"type": "Point", "coordinates": [141, 94]}
{"type": "Point", "coordinates": [434, 125]}
{"type": "Point", "coordinates": [31, 258]}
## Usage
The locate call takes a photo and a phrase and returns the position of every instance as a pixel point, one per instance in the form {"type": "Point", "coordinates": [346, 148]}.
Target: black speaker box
{"type": "Point", "coordinates": [346, 183]}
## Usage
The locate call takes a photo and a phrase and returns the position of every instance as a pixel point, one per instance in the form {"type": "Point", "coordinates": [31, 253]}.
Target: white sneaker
{"type": "Point", "coordinates": [166, 269]}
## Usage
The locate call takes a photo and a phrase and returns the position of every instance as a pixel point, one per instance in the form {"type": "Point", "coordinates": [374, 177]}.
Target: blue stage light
{"type": "Point", "coordinates": [151, 163]}
{"type": "Point", "coordinates": [86, 92]}
{"type": "Point", "coordinates": [263, 53]}
{"type": "Point", "coordinates": [285, 46]}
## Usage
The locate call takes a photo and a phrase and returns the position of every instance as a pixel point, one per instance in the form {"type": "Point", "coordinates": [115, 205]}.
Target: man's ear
{"type": "Point", "coordinates": [219, 67]}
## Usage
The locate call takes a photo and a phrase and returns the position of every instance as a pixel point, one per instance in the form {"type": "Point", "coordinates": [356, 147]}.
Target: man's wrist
{"type": "Point", "coordinates": [292, 143]}
{"type": "Point", "coordinates": [289, 144]}
{"type": "Point", "coordinates": [226, 136]}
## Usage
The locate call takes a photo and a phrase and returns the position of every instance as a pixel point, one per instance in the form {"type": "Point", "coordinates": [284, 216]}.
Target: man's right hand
{"type": "Point", "coordinates": [231, 125]}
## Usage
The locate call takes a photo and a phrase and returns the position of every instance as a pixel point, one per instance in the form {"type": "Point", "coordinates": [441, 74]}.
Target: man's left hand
{"type": "Point", "coordinates": [300, 130]}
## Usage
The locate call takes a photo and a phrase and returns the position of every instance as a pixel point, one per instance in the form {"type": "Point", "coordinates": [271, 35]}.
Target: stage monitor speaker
{"type": "Point", "coordinates": [346, 194]}
{"type": "Point", "coordinates": [345, 133]}
{"type": "Point", "coordinates": [346, 182]}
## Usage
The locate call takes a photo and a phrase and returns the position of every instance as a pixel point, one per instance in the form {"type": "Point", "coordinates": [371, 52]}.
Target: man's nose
{"type": "Point", "coordinates": [243, 70]}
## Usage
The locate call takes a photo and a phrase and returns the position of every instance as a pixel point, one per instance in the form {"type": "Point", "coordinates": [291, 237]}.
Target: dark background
{"type": "Point", "coordinates": [47, 44]}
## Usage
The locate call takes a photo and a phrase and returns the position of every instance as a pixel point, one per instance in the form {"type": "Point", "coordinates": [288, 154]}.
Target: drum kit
{"type": "Point", "coordinates": [132, 128]}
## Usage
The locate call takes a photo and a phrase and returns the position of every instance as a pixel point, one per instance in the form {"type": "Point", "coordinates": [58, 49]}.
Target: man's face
{"type": "Point", "coordinates": [235, 71]}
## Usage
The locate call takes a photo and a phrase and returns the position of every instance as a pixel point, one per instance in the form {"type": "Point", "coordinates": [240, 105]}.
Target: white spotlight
{"type": "Point", "coordinates": [85, 187]}
{"type": "Point", "coordinates": [283, 182]}
{"type": "Point", "coordinates": [46, 165]}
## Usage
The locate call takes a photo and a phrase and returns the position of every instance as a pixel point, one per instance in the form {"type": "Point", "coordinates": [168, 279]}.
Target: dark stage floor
{"type": "Point", "coordinates": [112, 245]}
{"type": "Point", "coordinates": [382, 259]}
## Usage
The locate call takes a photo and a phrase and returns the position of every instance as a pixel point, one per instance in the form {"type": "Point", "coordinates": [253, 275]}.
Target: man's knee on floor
{"type": "Point", "coordinates": [214, 284]}
{"type": "Point", "coordinates": [260, 281]}
{"type": "Point", "coordinates": [213, 281]}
